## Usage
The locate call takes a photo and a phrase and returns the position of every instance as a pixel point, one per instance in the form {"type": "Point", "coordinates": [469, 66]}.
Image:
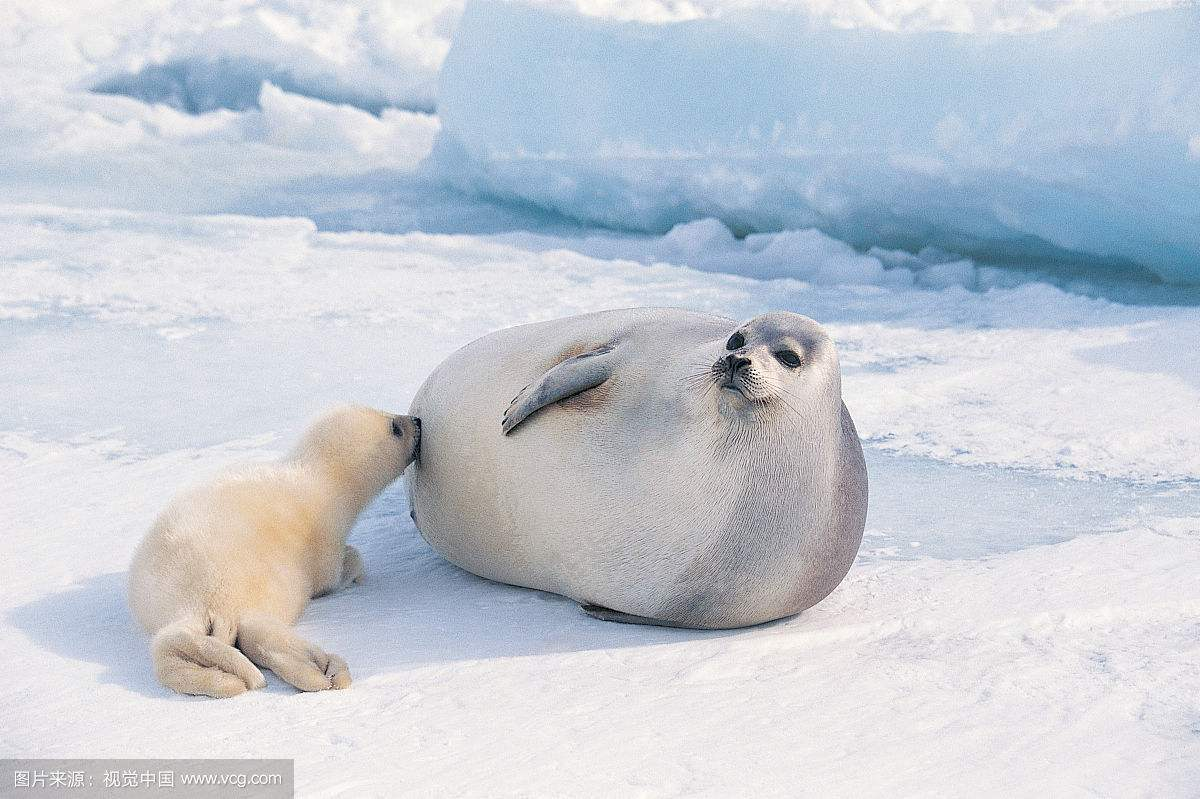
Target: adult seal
{"type": "Point", "coordinates": [656, 465]}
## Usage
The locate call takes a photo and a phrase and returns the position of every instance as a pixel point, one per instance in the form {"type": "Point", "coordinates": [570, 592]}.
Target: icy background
{"type": "Point", "coordinates": [1074, 144]}
{"type": "Point", "coordinates": [217, 218]}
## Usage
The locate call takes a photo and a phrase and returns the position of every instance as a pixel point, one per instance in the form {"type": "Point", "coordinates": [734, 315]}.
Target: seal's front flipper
{"type": "Point", "coordinates": [572, 376]}
{"type": "Point", "coordinates": [608, 614]}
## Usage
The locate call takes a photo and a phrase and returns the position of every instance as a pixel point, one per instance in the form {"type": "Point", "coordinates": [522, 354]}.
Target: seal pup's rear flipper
{"type": "Point", "coordinates": [572, 376]}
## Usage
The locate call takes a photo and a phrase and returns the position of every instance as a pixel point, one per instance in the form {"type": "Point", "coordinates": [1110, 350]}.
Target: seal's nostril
{"type": "Point", "coordinates": [736, 362]}
{"type": "Point", "coordinates": [397, 426]}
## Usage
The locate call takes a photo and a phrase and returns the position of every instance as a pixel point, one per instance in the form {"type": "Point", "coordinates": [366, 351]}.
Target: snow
{"type": "Point", "coordinates": [1069, 146]}
{"type": "Point", "coordinates": [1025, 670]}
{"type": "Point", "coordinates": [1014, 377]}
{"type": "Point", "coordinates": [202, 55]}
{"type": "Point", "coordinates": [186, 277]}
{"type": "Point", "coordinates": [78, 148]}
{"type": "Point", "coordinates": [139, 363]}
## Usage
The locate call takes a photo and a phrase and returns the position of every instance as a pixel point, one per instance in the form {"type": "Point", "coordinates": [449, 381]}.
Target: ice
{"type": "Point", "coordinates": [258, 225]}
{"type": "Point", "coordinates": [137, 362]}
{"type": "Point", "coordinates": [1013, 377]}
{"type": "Point", "coordinates": [78, 148]}
{"type": "Point", "coordinates": [1067, 148]}
{"type": "Point", "coordinates": [200, 56]}
{"type": "Point", "coordinates": [218, 121]}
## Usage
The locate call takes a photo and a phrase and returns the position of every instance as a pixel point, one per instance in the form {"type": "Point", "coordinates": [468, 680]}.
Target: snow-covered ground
{"type": "Point", "coordinates": [181, 290]}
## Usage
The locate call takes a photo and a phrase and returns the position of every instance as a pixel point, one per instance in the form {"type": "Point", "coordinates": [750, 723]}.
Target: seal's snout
{"type": "Point", "coordinates": [732, 372]}
{"type": "Point", "coordinates": [408, 427]}
{"type": "Point", "coordinates": [402, 425]}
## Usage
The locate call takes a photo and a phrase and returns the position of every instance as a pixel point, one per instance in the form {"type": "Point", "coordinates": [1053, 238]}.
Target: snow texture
{"type": "Point", "coordinates": [219, 218]}
{"type": "Point", "coordinates": [1000, 629]}
{"type": "Point", "coordinates": [1073, 147]}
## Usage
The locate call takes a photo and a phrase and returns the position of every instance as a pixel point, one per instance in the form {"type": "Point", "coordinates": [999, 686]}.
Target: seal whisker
{"type": "Point", "coordinates": [784, 390]}
{"type": "Point", "coordinates": [705, 376]}
{"type": "Point", "coordinates": [789, 405]}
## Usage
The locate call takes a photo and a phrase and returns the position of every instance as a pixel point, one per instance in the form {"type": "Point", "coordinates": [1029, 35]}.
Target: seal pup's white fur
{"type": "Point", "coordinates": [229, 566]}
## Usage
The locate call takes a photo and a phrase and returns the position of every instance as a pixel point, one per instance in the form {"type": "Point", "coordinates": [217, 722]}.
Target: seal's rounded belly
{"type": "Point", "coordinates": [640, 464]}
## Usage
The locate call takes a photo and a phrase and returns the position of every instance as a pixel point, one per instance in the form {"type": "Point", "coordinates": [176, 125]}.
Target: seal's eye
{"type": "Point", "coordinates": [736, 342]}
{"type": "Point", "coordinates": [788, 358]}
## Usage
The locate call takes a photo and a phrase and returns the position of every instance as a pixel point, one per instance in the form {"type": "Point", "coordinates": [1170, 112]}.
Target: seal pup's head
{"type": "Point", "coordinates": [361, 448]}
{"type": "Point", "coordinates": [778, 360]}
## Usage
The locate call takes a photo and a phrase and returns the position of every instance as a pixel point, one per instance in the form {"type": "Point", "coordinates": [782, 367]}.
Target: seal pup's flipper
{"type": "Point", "coordinates": [572, 376]}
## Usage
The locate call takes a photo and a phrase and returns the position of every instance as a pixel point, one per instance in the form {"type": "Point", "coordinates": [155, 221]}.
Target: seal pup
{"type": "Point", "coordinates": [229, 566]}
{"type": "Point", "coordinates": [656, 465]}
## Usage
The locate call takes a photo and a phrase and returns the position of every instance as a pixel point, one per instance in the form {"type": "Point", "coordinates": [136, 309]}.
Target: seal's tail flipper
{"type": "Point", "coordinates": [274, 645]}
{"type": "Point", "coordinates": [189, 660]}
{"type": "Point", "coordinates": [572, 376]}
